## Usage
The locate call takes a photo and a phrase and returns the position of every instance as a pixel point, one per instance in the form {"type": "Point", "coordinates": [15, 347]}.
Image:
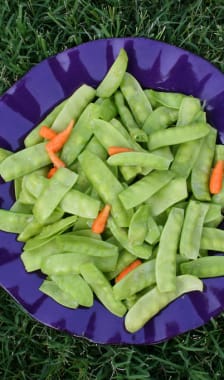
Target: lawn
{"type": "Point", "coordinates": [31, 31]}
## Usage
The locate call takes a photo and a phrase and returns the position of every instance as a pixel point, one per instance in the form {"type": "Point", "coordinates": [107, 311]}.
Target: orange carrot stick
{"type": "Point", "coordinates": [100, 222]}
{"type": "Point", "coordinates": [128, 269]}
{"type": "Point", "coordinates": [60, 139]}
{"type": "Point", "coordinates": [47, 133]}
{"type": "Point", "coordinates": [118, 149]}
{"type": "Point", "coordinates": [51, 172]}
{"type": "Point", "coordinates": [57, 162]}
{"type": "Point", "coordinates": [215, 183]}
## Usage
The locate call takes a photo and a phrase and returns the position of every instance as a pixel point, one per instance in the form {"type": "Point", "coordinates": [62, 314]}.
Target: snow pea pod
{"type": "Point", "coordinates": [89, 233]}
{"type": "Point", "coordinates": [150, 160]}
{"type": "Point", "coordinates": [192, 229]}
{"type": "Point", "coordinates": [212, 239]}
{"type": "Point", "coordinates": [77, 203]}
{"type": "Point", "coordinates": [74, 106]}
{"type": "Point", "coordinates": [204, 267]}
{"type": "Point", "coordinates": [52, 194]}
{"type": "Point", "coordinates": [189, 109]}
{"type": "Point", "coordinates": [144, 188]}
{"type": "Point", "coordinates": [201, 170]}
{"type": "Point", "coordinates": [114, 76]}
{"type": "Point", "coordinates": [185, 158]}
{"type": "Point", "coordinates": [76, 287]}
{"type": "Point", "coordinates": [153, 231]}
{"type": "Point", "coordinates": [13, 222]}
{"type": "Point", "coordinates": [214, 215]}
{"type": "Point", "coordinates": [106, 185]}
{"type": "Point", "coordinates": [165, 267]}
{"type": "Point", "coordinates": [32, 260]}
{"type": "Point", "coordinates": [174, 135]}
{"type": "Point", "coordinates": [102, 288]}
{"type": "Point", "coordinates": [24, 162]}
{"type": "Point", "coordinates": [18, 187]}
{"type": "Point", "coordinates": [21, 207]}
{"type": "Point", "coordinates": [160, 118]}
{"type": "Point", "coordinates": [153, 301]}
{"type": "Point", "coordinates": [167, 99]}
{"type": "Point", "coordinates": [80, 135]}
{"type": "Point", "coordinates": [51, 289]}
{"type": "Point", "coordinates": [35, 184]}
{"type": "Point", "coordinates": [107, 110]}
{"type": "Point", "coordinates": [138, 225]}
{"type": "Point", "coordinates": [136, 280]}
{"type": "Point", "coordinates": [57, 227]}
{"type": "Point", "coordinates": [97, 148]}
{"type": "Point", "coordinates": [124, 259]}
{"type": "Point", "coordinates": [136, 98]}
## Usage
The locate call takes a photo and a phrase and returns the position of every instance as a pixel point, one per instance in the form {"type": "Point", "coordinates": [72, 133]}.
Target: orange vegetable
{"type": "Point", "coordinates": [51, 172]}
{"type": "Point", "coordinates": [56, 161]}
{"type": "Point", "coordinates": [47, 133]}
{"type": "Point", "coordinates": [128, 269]}
{"type": "Point", "coordinates": [100, 222]}
{"type": "Point", "coordinates": [118, 149]}
{"type": "Point", "coordinates": [60, 139]}
{"type": "Point", "coordinates": [215, 183]}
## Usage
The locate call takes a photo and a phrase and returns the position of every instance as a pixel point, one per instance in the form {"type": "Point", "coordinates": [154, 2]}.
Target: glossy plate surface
{"type": "Point", "coordinates": [156, 65]}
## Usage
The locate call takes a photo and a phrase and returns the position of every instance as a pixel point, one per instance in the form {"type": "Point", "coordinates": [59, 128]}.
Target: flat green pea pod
{"type": "Point", "coordinates": [121, 129]}
{"type": "Point", "coordinates": [24, 162]}
{"type": "Point", "coordinates": [55, 190]}
{"type": "Point", "coordinates": [124, 259]}
{"type": "Point", "coordinates": [108, 109]}
{"type": "Point", "coordinates": [14, 222]}
{"type": "Point", "coordinates": [165, 267]}
{"type": "Point", "coordinates": [32, 260]}
{"type": "Point", "coordinates": [153, 231]}
{"type": "Point", "coordinates": [21, 207]}
{"type": "Point", "coordinates": [24, 195]}
{"type": "Point", "coordinates": [138, 225]}
{"type": "Point", "coordinates": [212, 239]}
{"type": "Point", "coordinates": [89, 233]}
{"type": "Point", "coordinates": [214, 215]}
{"type": "Point", "coordinates": [174, 135]}
{"type": "Point", "coordinates": [114, 76]}
{"type": "Point", "coordinates": [51, 289]}
{"type": "Point", "coordinates": [160, 118]}
{"type": "Point", "coordinates": [219, 153]}
{"type": "Point", "coordinates": [204, 267]}
{"type": "Point", "coordinates": [138, 279]}
{"type": "Point", "coordinates": [189, 109]}
{"type": "Point", "coordinates": [76, 287]}
{"type": "Point", "coordinates": [33, 136]}
{"type": "Point", "coordinates": [192, 229]}
{"type": "Point", "coordinates": [57, 228]}
{"type": "Point", "coordinates": [128, 120]}
{"type": "Point", "coordinates": [136, 98]}
{"type": "Point", "coordinates": [102, 288]}
{"type": "Point", "coordinates": [35, 184]}
{"type": "Point", "coordinates": [143, 159]}
{"type": "Point", "coordinates": [18, 186]}
{"type": "Point", "coordinates": [144, 188]}
{"type": "Point", "coordinates": [80, 204]}
{"type": "Point", "coordinates": [167, 99]}
{"type": "Point", "coordinates": [108, 188]}
{"type": "Point", "coordinates": [173, 192]}
{"type": "Point", "coordinates": [80, 135]}
{"type": "Point", "coordinates": [153, 301]}
{"type": "Point", "coordinates": [74, 106]}
{"type": "Point", "coordinates": [202, 168]}
{"type": "Point", "coordinates": [94, 146]}
{"type": "Point", "coordinates": [4, 153]}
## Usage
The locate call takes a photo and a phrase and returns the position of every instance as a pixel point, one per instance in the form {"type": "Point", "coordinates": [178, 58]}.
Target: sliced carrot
{"type": "Point", "coordinates": [215, 183]}
{"type": "Point", "coordinates": [128, 269]}
{"type": "Point", "coordinates": [60, 139]}
{"type": "Point", "coordinates": [100, 222]}
{"type": "Point", "coordinates": [118, 149]}
{"type": "Point", "coordinates": [47, 133]}
{"type": "Point", "coordinates": [51, 172]}
{"type": "Point", "coordinates": [56, 161]}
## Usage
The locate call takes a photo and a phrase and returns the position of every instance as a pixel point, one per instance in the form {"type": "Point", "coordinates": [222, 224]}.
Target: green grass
{"type": "Point", "coordinates": [30, 32]}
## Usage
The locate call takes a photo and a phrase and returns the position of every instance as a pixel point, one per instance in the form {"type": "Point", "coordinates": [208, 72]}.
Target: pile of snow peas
{"type": "Point", "coordinates": [162, 210]}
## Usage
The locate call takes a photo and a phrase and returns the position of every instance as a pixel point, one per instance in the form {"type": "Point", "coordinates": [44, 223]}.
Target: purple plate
{"type": "Point", "coordinates": [157, 65]}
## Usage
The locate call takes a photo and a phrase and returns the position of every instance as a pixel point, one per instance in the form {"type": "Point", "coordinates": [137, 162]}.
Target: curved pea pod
{"type": "Point", "coordinates": [136, 98]}
{"type": "Point", "coordinates": [51, 289]}
{"type": "Point", "coordinates": [124, 259]}
{"type": "Point", "coordinates": [74, 106]}
{"type": "Point", "coordinates": [188, 111]}
{"type": "Point", "coordinates": [106, 184]}
{"type": "Point", "coordinates": [167, 99]}
{"type": "Point", "coordinates": [114, 76]}
{"type": "Point", "coordinates": [154, 301]}
{"type": "Point", "coordinates": [80, 204]}
{"type": "Point", "coordinates": [4, 153]}
{"type": "Point", "coordinates": [138, 225]}
{"type": "Point", "coordinates": [173, 192]}
{"type": "Point", "coordinates": [174, 135]}
{"type": "Point", "coordinates": [102, 288]}
{"type": "Point", "coordinates": [143, 159]}
{"type": "Point", "coordinates": [52, 194]}
{"type": "Point", "coordinates": [24, 162]}
{"type": "Point", "coordinates": [212, 239]}
{"type": "Point", "coordinates": [144, 188]}
{"type": "Point", "coordinates": [204, 267]}
{"type": "Point", "coordinates": [13, 222]}
{"type": "Point", "coordinates": [32, 260]}
{"type": "Point", "coordinates": [165, 267]}
{"type": "Point", "coordinates": [160, 118]}
{"type": "Point", "coordinates": [202, 168]}
{"type": "Point", "coordinates": [76, 287]}
{"type": "Point", "coordinates": [192, 229]}
{"type": "Point", "coordinates": [136, 280]}
{"type": "Point", "coordinates": [33, 136]}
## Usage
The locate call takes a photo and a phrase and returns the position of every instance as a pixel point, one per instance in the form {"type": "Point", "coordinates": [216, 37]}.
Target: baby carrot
{"type": "Point", "coordinates": [128, 269]}
{"type": "Point", "coordinates": [51, 172]}
{"type": "Point", "coordinates": [60, 139]}
{"type": "Point", "coordinates": [57, 162]}
{"type": "Point", "coordinates": [47, 133]}
{"type": "Point", "coordinates": [118, 149]}
{"type": "Point", "coordinates": [215, 183]}
{"type": "Point", "coordinates": [100, 222]}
